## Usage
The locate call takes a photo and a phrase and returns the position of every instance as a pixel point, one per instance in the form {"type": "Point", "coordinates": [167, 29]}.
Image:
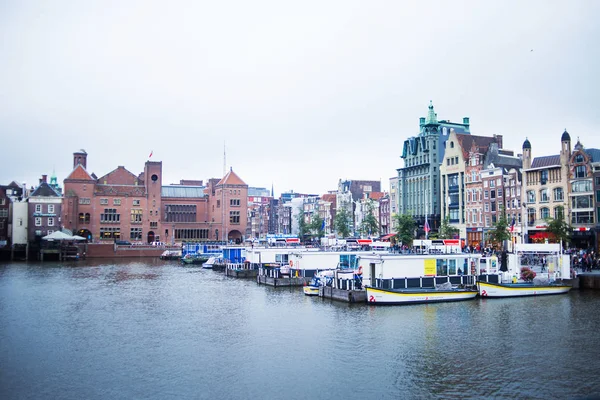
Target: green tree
{"type": "Point", "coordinates": [369, 225]}
{"type": "Point", "coordinates": [500, 232]}
{"type": "Point", "coordinates": [342, 221]}
{"type": "Point", "coordinates": [559, 228]}
{"type": "Point", "coordinates": [405, 228]}
{"type": "Point", "coordinates": [303, 228]}
{"type": "Point", "coordinates": [316, 226]}
{"type": "Point", "coordinates": [446, 230]}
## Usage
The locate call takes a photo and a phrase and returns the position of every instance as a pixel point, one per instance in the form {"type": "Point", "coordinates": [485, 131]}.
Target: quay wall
{"type": "Point", "coordinates": [589, 281]}
{"type": "Point", "coordinates": [97, 250]}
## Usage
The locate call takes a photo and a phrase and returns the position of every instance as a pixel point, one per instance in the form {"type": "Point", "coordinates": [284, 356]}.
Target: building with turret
{"type": "Point", "coordinates": [418, 187]}
{"type": "Point", "coordinates": [545, 191]}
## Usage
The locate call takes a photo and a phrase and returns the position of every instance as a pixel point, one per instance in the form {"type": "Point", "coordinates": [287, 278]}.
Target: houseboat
{"type": "Point", "coordinates": [532, 270]}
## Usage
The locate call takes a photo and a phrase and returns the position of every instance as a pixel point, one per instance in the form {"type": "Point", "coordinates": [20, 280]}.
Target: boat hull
{"type": "Point", "coordinates": [311, 290]}
{"type": "Point", "coordinates": [519, 290]}
{"type": "Point", "coordinates": [416, 296]}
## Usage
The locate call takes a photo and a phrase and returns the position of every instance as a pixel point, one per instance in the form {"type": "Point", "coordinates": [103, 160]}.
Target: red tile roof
{"type": "Point", "coordinates": [376, 195]}
{"type": "Point", "coordinates": [80, 173]}
{"type": "Point", "coordinates": [231, 179]}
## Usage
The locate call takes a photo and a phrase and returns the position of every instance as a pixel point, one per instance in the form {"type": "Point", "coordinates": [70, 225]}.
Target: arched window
{"type": "Point", "coordinates": [531, 216]}
{"type": "Point", "coordinates": [451, 145]}
{"type": "Point", "coordinates": [87, 218]}
{"type": "Point", "coordinates": [579, 158]}
{"type": "Point", "coordinates": [544, 196]}
{"type": "Point", "coordinates": [545, 212]}
{"type": "Point", "coordinates": [530, 196]}
{"type": "Point", "coordinates": [81, 218]}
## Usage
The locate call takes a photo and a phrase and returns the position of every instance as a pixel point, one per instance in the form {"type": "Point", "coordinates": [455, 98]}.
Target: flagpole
{"type": "Point", "coordinates": [426, 222]}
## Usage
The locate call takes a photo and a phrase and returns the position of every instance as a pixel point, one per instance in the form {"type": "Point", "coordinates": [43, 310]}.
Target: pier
{"type": "Point", "coordinates": [240, 270]}
{"type": "Point", "coordinates": [282, 281]}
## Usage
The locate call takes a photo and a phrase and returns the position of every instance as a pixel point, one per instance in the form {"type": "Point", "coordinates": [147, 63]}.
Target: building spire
{"type": "Point", "coordinates": [431, 115]}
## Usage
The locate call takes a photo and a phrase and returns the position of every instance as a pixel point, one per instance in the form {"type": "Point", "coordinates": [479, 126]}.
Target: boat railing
{"type": "Point", "coordinates": [240, 266]}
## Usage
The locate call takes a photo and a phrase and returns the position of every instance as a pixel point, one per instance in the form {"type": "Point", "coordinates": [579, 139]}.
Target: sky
{"type": "Point", "coordinates": [294, 94]}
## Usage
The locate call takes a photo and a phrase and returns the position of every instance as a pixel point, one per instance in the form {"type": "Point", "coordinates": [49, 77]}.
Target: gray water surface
{"type": "Point", "coordinates": [157, 330]}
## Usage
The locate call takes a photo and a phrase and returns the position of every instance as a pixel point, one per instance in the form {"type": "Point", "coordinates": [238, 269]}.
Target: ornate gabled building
{"type": "Point", "coordinates": [545, 189]}
{"type": "Point", "coordinates": [418, 190]}
{"type": "Point", "coordinates": [583, 197]}
{"type": "Point", "coordinates": [461, 152]}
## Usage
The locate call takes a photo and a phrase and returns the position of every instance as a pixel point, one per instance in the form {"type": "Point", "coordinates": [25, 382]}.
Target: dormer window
{"type": "Point", "coordinates": [579, 158]}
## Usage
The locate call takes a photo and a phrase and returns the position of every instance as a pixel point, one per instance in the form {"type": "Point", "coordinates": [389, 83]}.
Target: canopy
{"type": "Point", "coordinates": [77, 237]}
{"type": "Point", "coordinates": [58, 235]}
{"type": "Point", "coordinates": [388, 236]}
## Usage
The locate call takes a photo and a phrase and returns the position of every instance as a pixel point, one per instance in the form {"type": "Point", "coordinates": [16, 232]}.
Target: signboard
{"type": "Point", "coordinates": [430, 266]}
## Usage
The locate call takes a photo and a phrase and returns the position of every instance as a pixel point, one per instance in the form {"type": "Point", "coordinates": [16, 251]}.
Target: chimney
{"type": "Point", "coordinates": [499, 141]}
{"type": "Point", "coordinates": [466, 121]}
{"type": "Point", "coordinates": [45, 178]}
{"type": "Point", "coordinates": [421, 121]}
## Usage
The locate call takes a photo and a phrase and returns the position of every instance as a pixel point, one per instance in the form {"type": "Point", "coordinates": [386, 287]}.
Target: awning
{"type": "Point", "coordinates": [388, 236]}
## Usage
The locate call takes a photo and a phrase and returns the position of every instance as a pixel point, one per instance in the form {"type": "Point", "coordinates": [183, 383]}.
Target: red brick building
{"type": "Point", "coordinates": [138, 208]}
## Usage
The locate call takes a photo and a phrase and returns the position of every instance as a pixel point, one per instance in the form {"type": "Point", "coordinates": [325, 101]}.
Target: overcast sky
{"type": "Point", "coordinates": [301, 93]}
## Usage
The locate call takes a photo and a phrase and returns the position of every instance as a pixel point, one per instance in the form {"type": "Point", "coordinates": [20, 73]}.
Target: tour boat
{"type": "Point", "coordinates": [417, 295]}
{"type": "Point", "coordinates": [519, 289]}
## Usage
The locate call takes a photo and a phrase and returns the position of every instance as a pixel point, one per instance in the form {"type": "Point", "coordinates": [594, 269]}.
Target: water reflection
{"type": "Point", "coordinates": [131, 329]}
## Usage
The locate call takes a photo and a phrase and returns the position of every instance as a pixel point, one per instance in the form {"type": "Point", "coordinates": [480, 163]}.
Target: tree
{"type": "Point", "coordinates": [558, 227]}
{"type": "Point", "coordinates": [405, 228]}
{"type": "Point", "coordinates": [369, 225]}
{"type": "Point", "coordinates": [500, 232]}
{"type": "Point", "coordinates": [446, 230]}
{"type": "Point", "coordinates": [316, 226]}
{"type": "Point", "coordinates": [303, 228]}
{"type": "Point", "coordinates": [342, 220]}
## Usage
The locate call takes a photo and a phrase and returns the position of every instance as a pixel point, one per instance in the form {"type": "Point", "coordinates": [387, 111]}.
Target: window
{"type": "Point", "coordinates": [81, 218]}
{"type": "Point", "coordinates": [485, 184]}
{"type": "Point", "coordinates": [544, 177]}
{"type": "Point", "coordinates": [234, 202]}
{"type": "Point", "coordinates": [493, 207]}
{"type": "Point", "coordinates": [530, 196]}
{"type": "Point", "coordinates": [234, 217]}
{"type": "Point", "coordinates": [38, 208]}
{"type": "Point", "coordinates": [474, 176]}
{"type": "Point", "coordinates": [598, 181]}
{"type": "Point", "coordinates": [153, 225]}
{"type": "Point", "coordinates": [544, 198]}
{"type": "Point", "coordinates": [531, 216]}
{"type": "Point", "coordinates": [135, 233]}
{"type": "Point", "coordinates": [107, 233]}
{"type": "Point", "coordinates": [38, 221]}
{"type": "Point", "coordinates": [180, 213]}
{"type": "Point", "coordinates": [558, 194]}
{"type": "Point", "coordinates": [50, 208]}
{"type": "Point", "coordinates": [597, 196]}
{"type": "Point", "coordinates": [110, 216]}
{"type": "Point", "coordinates": [136, 203]}
{"type": "Point", "coordinates": [494, 218]}
{"type": "Point", "coordinates": [486, 194]}
{"type": "Point", "coordinates": [2, 201]}
{"type": "Point", "coordinates": [469, 195]}
{"type": "Point", "coordinates": [581, 186]}
{"type": "Point", "coordinates": [492, 183]}
{"type": "Point", "coordinates": [499, 192]}
{"type": "Point", "coordinates": [580, 171]}
{"type": "Point", "coordinates": [582, 217]}
{"type": "Point", "coordinates": [85, 200]}
{"type": "Point", "coordinates": [578, 202]}
{"type": "Point", "coordinates": [3, 212]}
{"type": "Point", "coordinates": [447, 161]}
{"type": "Point", "coordinates": [486, 207]}
{"type": "Point", "coordinates": [103, 202]}
{"type": "Point", "coordinates": [545, 212]}
{"type": "Point", "coordinates": [487, 220]}
{"type": "Point", "coordinates": [492, 194]}
{"type": "Point", "coordinates": [579, 158]}
{"type": "Point", "coordinates": [451, 145]}
{"type": "Point", "coordinates": [50, 221]}
{"type": "Point", "coordinates": [218, 203]}
{"type": "Point", "coordinates": [558, 212]}
{"type": "Point", "coordinates": [116, 202]}
{"type": "Point", "coordinates": [136, 215]}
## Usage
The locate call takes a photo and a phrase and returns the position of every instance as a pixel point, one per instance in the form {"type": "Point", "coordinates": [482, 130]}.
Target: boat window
{"type": "Point", "coordinates": [442, 267]}
{"type": "Point", "coordinates": [282, 258]}
{"type": "Point", "coordinates": [451, 267]}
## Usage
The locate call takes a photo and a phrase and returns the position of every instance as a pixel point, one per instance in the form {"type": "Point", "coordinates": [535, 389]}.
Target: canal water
{"type": "Point", "coordinates": [157, 330]}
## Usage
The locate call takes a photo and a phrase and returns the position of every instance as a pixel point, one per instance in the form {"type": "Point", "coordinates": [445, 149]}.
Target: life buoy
{"type": "Point", "coordinates": [360, 270]}
{"type": "Point", "coordinates": [291, 263]}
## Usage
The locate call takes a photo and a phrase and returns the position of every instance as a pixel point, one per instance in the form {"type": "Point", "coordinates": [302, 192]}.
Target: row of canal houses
{"type": "Point", "coordinates": [471, 180]}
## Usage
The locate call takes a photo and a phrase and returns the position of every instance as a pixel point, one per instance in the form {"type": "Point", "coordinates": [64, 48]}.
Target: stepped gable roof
{"type": "Point", "coordinates": [120, 190]}
{"type": "Point", "coordinates": [44, 189]}
{"type": "Point", "coordinates": [376, 195]}
{"type": "Point", "coordinates": [467, 141]}
{"type": "Point", "coordinates": [79, 173]}
{"type": "Point", "coordinates": [191, 192]}
{"type": "Point", "coordinates": [120, 176]}
{"type": "Point", "coordinates": [594, 154]}
{"type": "Point", "coordinates": [231, 179]}
{"type": "Point", "coordinates": [546, 161]}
